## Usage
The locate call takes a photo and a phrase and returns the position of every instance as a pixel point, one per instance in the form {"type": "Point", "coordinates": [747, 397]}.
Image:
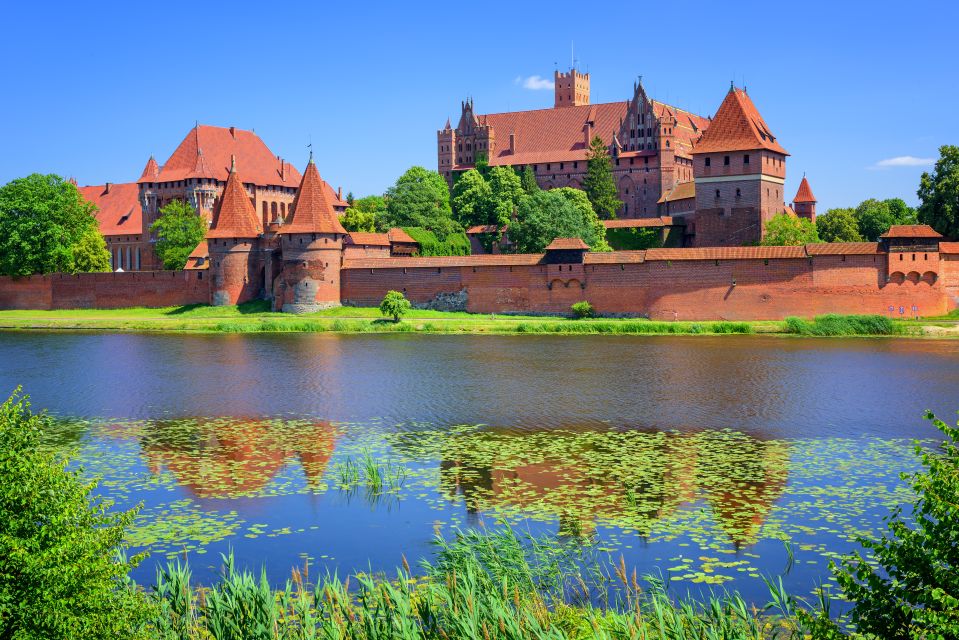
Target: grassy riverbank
{"type": "Point", "coordinates": [257, 318]}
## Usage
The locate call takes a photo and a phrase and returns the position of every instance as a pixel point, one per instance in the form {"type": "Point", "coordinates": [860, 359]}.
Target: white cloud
{"type": "Point", "coordinates": [534, 83]}
{"type": "Point", "coordinates": [904, 161]}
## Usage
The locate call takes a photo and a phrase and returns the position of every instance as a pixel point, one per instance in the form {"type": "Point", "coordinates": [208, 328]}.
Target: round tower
{"type": "Point", "coordinates": [804, 204]}
{"type": "Point", "coordinates": [311, 243]}
{"type": "Point", "coordinates": [233, 242]}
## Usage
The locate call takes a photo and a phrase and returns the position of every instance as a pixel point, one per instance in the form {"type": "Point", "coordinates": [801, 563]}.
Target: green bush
{"type": "Point", "coordinates": [838, 325]}
{"type": "Point", "coordinates": [632, 238]}
{"type": "Point", "coordinates": [454, 244]}
{"type": "Point", "coordinates": [914, 590]}
{"type": "Point", "coordinates": [63, 573]}
{"type": "Point", "coordinates": [582, 309]}
{"type": "Point", "coordinates": [395, 305]}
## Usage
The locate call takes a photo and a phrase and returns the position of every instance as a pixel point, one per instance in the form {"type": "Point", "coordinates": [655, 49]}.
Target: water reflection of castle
{"type": "Point", "coordinates": [629, 479]}
{"type": "Point", "coordinates": [233, 457]}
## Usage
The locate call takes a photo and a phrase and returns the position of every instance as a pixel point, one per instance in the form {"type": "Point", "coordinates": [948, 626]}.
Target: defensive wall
{"type": "Point", "coordinates": [105, 290]}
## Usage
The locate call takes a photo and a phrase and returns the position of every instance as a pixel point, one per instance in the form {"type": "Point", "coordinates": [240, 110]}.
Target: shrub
{"type": "Point", "coordinates": [395, 305]}
{"type": "Point", "coordinates": [62, 569]}
{"type": "Point", "coordinates": [454, 244]}
{"type": "Point", "coordinates": [914, 592]}
{"type": "Point", "coordinates": [837, 325]}
{"type": "Point", "coordinates": [583, 309]}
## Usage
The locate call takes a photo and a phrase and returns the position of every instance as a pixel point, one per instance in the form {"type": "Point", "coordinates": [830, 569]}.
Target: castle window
{"type": "Point", "coordinates": [575, 164]}
{"type": "Point", "coordinates": [746, 159]}
{"type": "Point", "coordinates": [717, 194]}
{"type": "Point", "coordinates": [725, 161]}
{"type": "Point", "coordinates": [707, 161]}
{"type": "Point", "coordinates": [738, 194]}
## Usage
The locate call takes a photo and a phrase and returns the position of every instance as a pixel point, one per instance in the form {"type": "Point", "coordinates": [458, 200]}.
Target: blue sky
{"type": "Point", "coordinates": [93, 91]}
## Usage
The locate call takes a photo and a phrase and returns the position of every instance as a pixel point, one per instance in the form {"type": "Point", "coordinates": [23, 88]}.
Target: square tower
{"type": "Point", "coordinates": [570, 89]}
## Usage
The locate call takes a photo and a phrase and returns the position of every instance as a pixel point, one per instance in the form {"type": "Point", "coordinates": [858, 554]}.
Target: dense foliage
{"type": "Point", "coordinates": [634, 238]}
{"type": "Point", "coordinates": [420, 198]}
{"type": "Point", "coordinates": [395, 305]}
{"type": "Point", "coordinates": [582, 309]}
{"type": "Point", "coordinates": [786, 230]}
{"type": "Point", "coordinates": [837, 325]}
{"type": "Point", "coordinates": [939, 193]}
{"type": "Point", "coordinates": [46, 226]}
{"type": "Point", "coordinates": [62, 574]}
{"type": "Point", "coordinates": [838, 225]}
{"type": "Point", "coordinates": [178, 231]}
{"type": "Point", "coordinates": [365, 214]}
{"type": "Point", "coordinates": [557, 213]}
{"type": "Point", "coordinates": [528, 180]}
{"type": "Point", "coordinates": [454, 244]}
{"type": "Point", "coordinates": [598, 183]}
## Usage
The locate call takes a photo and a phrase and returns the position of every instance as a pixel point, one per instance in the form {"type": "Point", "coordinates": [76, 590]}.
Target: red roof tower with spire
{"type": "Point", "coordinates": [805, 202]}
{"type": "Point", "coordinates": [312, 211]}
{"type": "Point", "coordinates": [234, 215]}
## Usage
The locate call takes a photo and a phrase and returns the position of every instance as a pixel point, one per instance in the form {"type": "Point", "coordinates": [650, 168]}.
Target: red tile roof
{"type": "Point", "coordinates": [911, 231]}
{"type": "Point", "coordinates": [949, 247]}
{"type": "Point", "coordinates": [312, 211]}
{"type": "Point", "coordinates": [495, 260]}
{"type": "Point", "coordinates": [842, 248]}
{"type": "Point", "coordinates": [217, 145]}
{"type": "Point", "coordinates": [638, 223]}
{"type": "Point", "coordinates": [725, 253]}
{"type": "Point", "coordinates": [201, 253]}
{"type": "Point", "coordinates": [371, 239]}
{"type": "Point", "coordinates": [805, 192]}
{"type": "Point", "coordinates": [562, 244]}
{"type": "Point", "coordinates": [398, 235]}
{"type": "Point", "coordinates": [483, 228]}
{"type": "Point", "coordinates": [150, 172]}
{"type": "Point", "coordinates": [615, 257]}
{"type": "Point", "coordinates": [681, 191]}
{"type": "Point", "coordinates": [737, 127]}
{"type": "Point", "coordinates": [687, 130]}
{"type": "Point", "coordinates": [234, 215]}
{"type": "Point", "coordinates": [119, 212]}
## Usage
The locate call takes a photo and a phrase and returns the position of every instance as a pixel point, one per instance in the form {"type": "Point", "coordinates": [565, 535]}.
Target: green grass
{"type": "Point", "coordinates": [837, 325]}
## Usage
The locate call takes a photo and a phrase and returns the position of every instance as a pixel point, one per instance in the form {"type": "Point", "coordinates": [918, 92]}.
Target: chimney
{"type": "Point", "coordinates": [233, 132]}
{"type": "Point", "coordinates": [587, 133]}
{"type": "Point", "coordinates": [339, 193]}
{"type": "Point", "coordinates": [282, 170]}
{"type": "Point", "coordinates": [512, 143]}
{"type": "Point", "coordinates": [107, 187]}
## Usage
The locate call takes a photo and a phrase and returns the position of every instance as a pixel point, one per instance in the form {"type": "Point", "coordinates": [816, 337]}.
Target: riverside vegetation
{"type": "Point", "coordinates": [64, 574]}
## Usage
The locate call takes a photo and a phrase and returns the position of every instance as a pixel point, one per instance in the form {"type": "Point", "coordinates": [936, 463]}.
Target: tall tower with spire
{"type": "Point", "coordinates": [233, 241]}
{"type": "Point", "coordinates": [570, 89]}
{"type": "Point", "coordinates": [311, 241]}
{"type": "Point", "coordinates": [804, 204]}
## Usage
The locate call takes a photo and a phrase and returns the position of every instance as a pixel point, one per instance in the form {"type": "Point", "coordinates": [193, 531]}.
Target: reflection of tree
{"type": "Point", "coordinates": [229, 458]}
{"type": "Point", "coordinates": [631, 478]}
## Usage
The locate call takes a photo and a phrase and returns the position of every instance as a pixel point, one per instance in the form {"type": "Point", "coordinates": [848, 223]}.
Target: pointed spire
{"type": "Point", "coordinates": [805, 192]}
{"type": "Point", "coordinates": [232, 163]}
{"type": "Point", "coordinates": [151, 171]}
{"type": "Point", "coordinates": [737, 126]}
{"type": "Point", "coordinates": [311, 211]}
{"type": "Point", "coordinates": [234, 215]}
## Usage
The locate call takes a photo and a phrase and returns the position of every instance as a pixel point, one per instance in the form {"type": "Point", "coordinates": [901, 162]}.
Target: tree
{"type": "Point", "coordinates": [395, 305]}
{"type": "Point", "coordinates": [506, 190]}
{"type": "Point", "coordinates": [90, 254]}
{"type": "Point", "coordinates": [582, 309]}
{"type": "Point", "coordinates": [838, 225]}
{"type": "Point", "coordinates": [874, 219]}
{"type": "Point", "coordinates": [598, 183]}
{"type": "Point", "coordinates": [420, 198]}
{"type": "Point", "coordinates": [939, 193]}
{"type": "Point", "coordinates": [366, 214]}
{"type": "Point", "coordinates": [471, 199]}
{"type": "Point", "coordinates": [528, 180]}
{"type": "Point", "coordinates": [578, 199]}
{"type": "Point", "coordinates": [44, 222]}
{"type": "Point", "coordinates": [910, 586]}
{"type": "Point", "coordinates": [178, 231]}
{"type": "Point", "coordinates": [545, 216]}
{"type": "Point", "coordinates": [786, 230]}
{"type": "Point", "coordinates": [349, 198]}
{"type": "Point", "coordinates": [62, 571]}
{"type": "Point", "coordinates": [901, 212]}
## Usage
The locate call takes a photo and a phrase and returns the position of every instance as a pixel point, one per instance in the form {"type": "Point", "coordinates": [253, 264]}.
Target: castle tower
{"type": "Point", "coordinates": [445, 151]}
{"type": "Point", "coordinates": [311, 243]}
{"type": "Point", "coordinates": [233, 241]}
{"type": "Point", "coordinates": [804, 204]}
{"type": "Point", "coordinates": [570, 89]}
{"type": "Point", "coordinates": [739, 168]}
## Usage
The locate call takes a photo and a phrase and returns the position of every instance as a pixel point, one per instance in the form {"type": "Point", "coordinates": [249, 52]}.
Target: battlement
{"type": "Point", "coordinates": [571, 89]}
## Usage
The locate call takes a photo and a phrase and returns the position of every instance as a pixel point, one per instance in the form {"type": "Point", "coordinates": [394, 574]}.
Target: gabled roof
{"type": "Point", "coordinates": [312, 211]}
{"type": "Point", "coordinates": [949, 247]}
{"type": "Point", "coordinates": [563, 244]}
{"type": "Point", "coordinates": [737, 127]}
{"type": "Point", "coordinates": [484, 228]}
{"type": "Point", "coordinates": [119, 212]}
{"type": "Point", "coordinates": [151, 171]}
{"type": "Point", "coordinates": [681, 191]}
{"type": "Point", "coordinates": [234, 215]}
{"type": "Point", "coordinates": [217, 145]}
{"type": "Point", "coordinates": [370, 239]}
{"type": "Point", "coordinates": [911, 231]}
{"type": "Point", "coordinates": [398, 235]}
{"type": "Point", "coordinates": [842, 248]}
{"type": "Point", "coordinates": [638, 223]}
{"type": "Point", "coordinates": [805, 192]}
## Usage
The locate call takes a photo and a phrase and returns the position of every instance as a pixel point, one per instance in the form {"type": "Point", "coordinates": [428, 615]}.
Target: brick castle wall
{"type": "Point", "coordinates": [105, 290]}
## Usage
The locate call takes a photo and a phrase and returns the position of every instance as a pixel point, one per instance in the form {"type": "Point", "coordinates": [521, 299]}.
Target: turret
{"type": "Point", "coordinates": [311, 243]}
{"type": "Point", "coordinates": [233, 241]}
{"type": "Point", "coordinates": [804, 204]}
{"type": "Point", "coordinates": [570, 89]}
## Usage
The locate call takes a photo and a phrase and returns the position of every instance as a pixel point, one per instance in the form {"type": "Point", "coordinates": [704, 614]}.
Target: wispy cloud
{"type": "Point", "coordinates": [904, 161]}
{"type": "Point", "coordinates": [534, 83]}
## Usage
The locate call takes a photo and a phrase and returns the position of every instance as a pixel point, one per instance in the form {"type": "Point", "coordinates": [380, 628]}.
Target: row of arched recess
{"type": "Point", "coordinates": [898, 277]}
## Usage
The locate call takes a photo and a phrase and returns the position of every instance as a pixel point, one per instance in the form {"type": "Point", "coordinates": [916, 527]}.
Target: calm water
{"type": "Point", "coordinates": [693, 457]}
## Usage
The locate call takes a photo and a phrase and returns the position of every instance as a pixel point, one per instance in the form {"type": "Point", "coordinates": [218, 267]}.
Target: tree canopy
{"type": "Point", "coordinates": [558, 213]}
{"type": "Point", "coordinates": [939, 193]}
{"type": "Point", "coordinates": [395, 305]}
{"type": "Point", "coordinates": [420, 198]}
{"type": "Point", "coordinates": [528, 180]}
{"type": "Point", "coordinates": [178, 231]}
{"type": "Point", "coordinates": [365, 214]}
{"type": "Point", "coordinates": [838, 225]}
{"type": "Point", "coordinates": [598, 182]}
{"type": "Point", "coordinates": [46, 226]}
{"type": "Point", "coordinates": [786, 230]}
{"type": "Point", "coordinates": [472, 199]}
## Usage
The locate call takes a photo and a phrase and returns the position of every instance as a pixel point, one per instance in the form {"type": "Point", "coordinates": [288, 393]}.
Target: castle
{"type": "Point", "coordinates": [718, 179]}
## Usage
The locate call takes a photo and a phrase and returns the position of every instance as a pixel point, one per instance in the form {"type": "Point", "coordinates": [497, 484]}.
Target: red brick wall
{"type": "Point", "coordinates": [105, 290]}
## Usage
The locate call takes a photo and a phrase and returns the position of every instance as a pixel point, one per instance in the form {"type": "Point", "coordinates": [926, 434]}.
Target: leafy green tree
{"type": "Point", "coordinates": [395, 305]}
{"type": "Point", "coordinates": [901, 212]}
{"type": "Point", "coordinates": [506, 190]}
{"type": "Point", "coordinates": [786, 230]}
{"type": "Point", "coordinates": [90, 254]}
{"type": "Point", "coordinates": [349, 198]}
{"type": "Point", "coordinates": [598, 183]}
{"type": "Point", "coordinates": [578, 199]}
{"type": "Point", "coordinates": [178, 231]}
{"type": "Point", "coordinates": [528, 180]}
{"type": "Point", "coordinates": [44, 223]}
{"type": "Point", "coordinates": [471, 199]}
{"type": "Point", "coordinates": [838, 225]}
{"type": "Point", "coordinates": [545, 216]}
{"type": "Point", "coordinates": [366, 214]}
{"type": "Point", "coordinates": [910, 586]}
{"type": "Point", "coordinates": [874, 219]}
{"type": "Point", "coordinates": [939, 193]}
{"type": "Point", "coordinates": [62, 571]}
{"type": "Point", "coordinates": [420, 198]}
